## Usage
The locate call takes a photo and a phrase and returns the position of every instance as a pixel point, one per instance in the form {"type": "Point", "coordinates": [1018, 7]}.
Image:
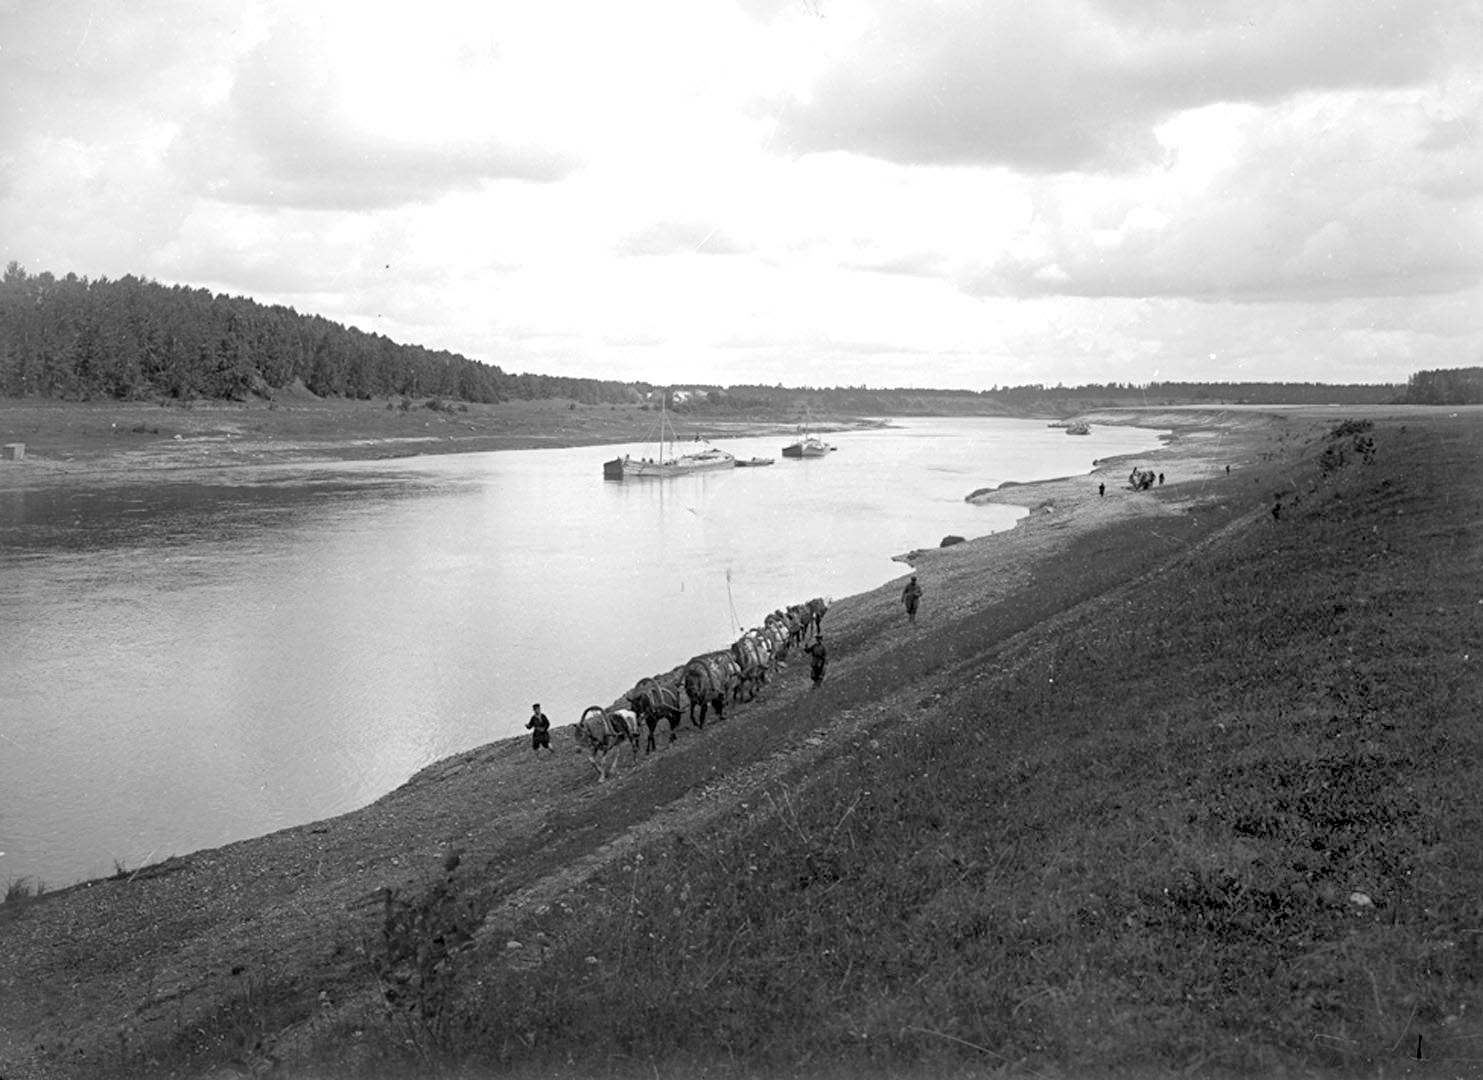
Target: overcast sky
{"type": "Point", "coordinates": [812, 192]}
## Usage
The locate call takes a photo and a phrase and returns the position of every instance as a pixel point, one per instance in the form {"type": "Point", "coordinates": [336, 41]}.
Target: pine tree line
{"type": "Point", "coordinates": [75, 339]}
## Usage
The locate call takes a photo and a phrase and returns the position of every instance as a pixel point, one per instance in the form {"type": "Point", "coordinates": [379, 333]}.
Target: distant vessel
{"type": "Point", "coordinates": [751, 463]}
{"type": "Point", "coordinates": [1078, 427]}
{"type": "Point", "coordinates": [807, 446]}
{"type": "Point", "coordinates": [666, 461]}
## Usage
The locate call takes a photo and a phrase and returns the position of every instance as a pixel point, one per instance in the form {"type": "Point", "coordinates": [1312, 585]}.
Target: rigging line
{"type": "Point", "coordinates": [735, 622]}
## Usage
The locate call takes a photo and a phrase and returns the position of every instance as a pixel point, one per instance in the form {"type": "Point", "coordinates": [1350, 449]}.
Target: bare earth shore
{"type": "Point", "coordinates": [97, 977]}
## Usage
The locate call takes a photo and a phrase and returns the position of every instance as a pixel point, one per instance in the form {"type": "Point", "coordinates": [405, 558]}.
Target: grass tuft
{"type": "Point", "coordinates": [21, 890]}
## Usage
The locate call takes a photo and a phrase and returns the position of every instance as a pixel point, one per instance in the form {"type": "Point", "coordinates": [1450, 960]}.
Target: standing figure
{"type": "Point", "coordinates": [820, 657]}
{"type": "Point", "coordinates": [1102, 489]}
{"type": "Point", "coordinates": [911, 596]}
{"type": "Point", "coordinates": [540, 729]}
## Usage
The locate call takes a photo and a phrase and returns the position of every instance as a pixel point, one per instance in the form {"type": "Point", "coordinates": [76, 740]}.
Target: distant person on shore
{"type": "Point", "coordinates": [911, 596]}
{"type": "Point", "coordinates": [540, 730]}
{"type": "Point", "coordinates": [819, 657]}
{"type": "Point", "coordinates": [1101, 489]}
{"type": "Point", "coordinates": [1161, 479]}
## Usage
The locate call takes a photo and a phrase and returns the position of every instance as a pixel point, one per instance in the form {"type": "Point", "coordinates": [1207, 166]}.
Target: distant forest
{"type": "Point", "coordinates": [74, 339]}
{"type": "Point", "coordinates": [1454, 386]}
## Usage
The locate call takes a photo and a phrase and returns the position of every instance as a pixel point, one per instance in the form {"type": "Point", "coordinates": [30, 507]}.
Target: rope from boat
{"type": "Point", "coordinates": [735, 622]}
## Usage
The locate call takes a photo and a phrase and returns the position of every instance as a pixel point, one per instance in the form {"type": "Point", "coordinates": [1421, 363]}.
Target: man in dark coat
{"type": "Point", "coordinates": [820, 657]}
{"type": "Point", "coordinates": [540, 729]}
{"type": "Point", "coordinates": [911, 596]}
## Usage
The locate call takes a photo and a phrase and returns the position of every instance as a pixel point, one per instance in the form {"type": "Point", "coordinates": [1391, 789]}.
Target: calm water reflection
{"type": "Point", "coordinates": [188, 664]}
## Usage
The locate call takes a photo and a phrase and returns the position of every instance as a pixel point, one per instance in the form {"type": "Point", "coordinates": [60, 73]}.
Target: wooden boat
{"type": "Point", "coordinates": [632, 468]}
{"type": "Point", "coordinates": [808, 445]}
{"type": "Point", "coordinates": [666, 461]}
{"type": "Point", "coordinates": [752, 463]}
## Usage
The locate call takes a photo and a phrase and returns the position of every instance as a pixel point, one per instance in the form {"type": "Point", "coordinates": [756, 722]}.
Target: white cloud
{"type": "Point", "coordinates": [358, 110]}
{"type": "Point", "coordinates": [1318, 197]}
{"type": "Point", "coordinates": [1078, 85]}
{"type": "Point", "coordinates": [879, 191]}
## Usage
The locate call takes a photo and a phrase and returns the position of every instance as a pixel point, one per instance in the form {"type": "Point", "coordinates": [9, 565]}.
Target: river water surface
{"type": "Point", "coordinates": [190, 663]}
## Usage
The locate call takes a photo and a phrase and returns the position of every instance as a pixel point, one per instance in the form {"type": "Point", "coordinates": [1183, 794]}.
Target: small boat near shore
{"type": "Point", "coordinates": [753, 463]}
{"type": "Point", "coordinates": [1078, 427]}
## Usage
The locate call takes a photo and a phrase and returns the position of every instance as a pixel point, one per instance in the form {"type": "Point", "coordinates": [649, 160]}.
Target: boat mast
{"type": "Point", "coordinates": [663, 420]}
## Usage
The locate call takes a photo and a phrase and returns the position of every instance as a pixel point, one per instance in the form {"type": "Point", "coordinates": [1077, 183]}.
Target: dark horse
{"type": "Point", "coordinates": [813, 612]}
{"type": "Point", "coordinates": [708, 680]}
{"type": "Point", "coordinates": [602, 733]}
{"type": "Point", "coordinates": [652, 702]}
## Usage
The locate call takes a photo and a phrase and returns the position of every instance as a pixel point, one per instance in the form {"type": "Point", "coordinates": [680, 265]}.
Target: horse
{"type": "Point", "coordinates": [777, 631]}
{"type": "Point", "coordinates": [753, 655]}
{"type": "Point", "coordinates": [814, 611]}
{"type": "Point", "coordinates": [652, 702]}
{"type": "Point", "coordinates": [798, 621]}
{"type": "Point", "coordinates": [602, 733]}
{"type": "Point", "coordinates": [708, 679]}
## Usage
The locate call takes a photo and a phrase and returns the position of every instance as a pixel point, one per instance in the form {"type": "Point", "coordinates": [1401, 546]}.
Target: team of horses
{"type": "Point", "coordinates": [1141, 479]}
{"type": "Point", "coordinates": [704, 684]}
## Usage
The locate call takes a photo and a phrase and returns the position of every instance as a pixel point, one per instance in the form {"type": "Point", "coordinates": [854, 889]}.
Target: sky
{"type": "Point", "coordinates": [945, 193]}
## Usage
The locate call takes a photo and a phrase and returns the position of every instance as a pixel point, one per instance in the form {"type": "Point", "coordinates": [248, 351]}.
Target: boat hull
{"type": "Point", "coordinates": [807, 448]}
{"type": "Point", "coordinates": [627, 468]}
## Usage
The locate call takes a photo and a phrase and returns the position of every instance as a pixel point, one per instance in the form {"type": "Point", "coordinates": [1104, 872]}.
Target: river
{"type": "Point", "coordinates": [188, 663]}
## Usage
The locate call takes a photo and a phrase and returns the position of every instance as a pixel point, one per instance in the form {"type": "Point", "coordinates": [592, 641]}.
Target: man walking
{"type": "Point", "coordinates": [820, 657]}
{"type": "Point", "coordinates": [540, 730]}
{"type": "Point", "coordinates": [911, 596]}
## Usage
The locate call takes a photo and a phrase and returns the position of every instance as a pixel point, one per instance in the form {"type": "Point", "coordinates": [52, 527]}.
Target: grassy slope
{"type": "Point", "coordinates": [1126, 840]}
